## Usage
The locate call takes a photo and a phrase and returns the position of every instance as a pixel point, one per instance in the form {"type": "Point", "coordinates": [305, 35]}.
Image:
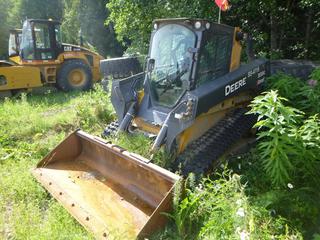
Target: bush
{"type": "Point", "coordinates": [303, 95]}
{"type": "Point", "coordinates": [315, 75]}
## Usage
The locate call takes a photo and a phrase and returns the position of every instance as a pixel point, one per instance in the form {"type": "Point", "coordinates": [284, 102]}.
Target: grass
{"type": "Point", "coordinates": [30, 127]}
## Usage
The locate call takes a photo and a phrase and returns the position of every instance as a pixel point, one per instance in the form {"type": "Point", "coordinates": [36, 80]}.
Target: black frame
{"type": "Point", "coordinates": [55, 49]}
{"type": "Point", "coordinates": [215, 29]}
{"type": "Point", "coordinates": [16, 33]}
{"type": "Point", "coordinates": [202, 35]}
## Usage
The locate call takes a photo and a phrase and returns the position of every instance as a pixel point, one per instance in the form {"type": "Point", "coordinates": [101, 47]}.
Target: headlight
{"type": "Point", "coordinates": [197, 25]}
{"type": "Point", "coordinates": [155, 26]}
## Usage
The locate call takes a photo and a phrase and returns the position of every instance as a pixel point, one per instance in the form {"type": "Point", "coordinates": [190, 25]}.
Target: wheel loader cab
{"type": "Point", "coordinates": [41, 59]}
{"type": "Point", "coordinates": [41, 40]}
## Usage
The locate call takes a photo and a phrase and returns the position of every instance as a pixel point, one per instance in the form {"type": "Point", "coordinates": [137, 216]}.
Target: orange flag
{"type": "Point", "coordinates": [222, 4]}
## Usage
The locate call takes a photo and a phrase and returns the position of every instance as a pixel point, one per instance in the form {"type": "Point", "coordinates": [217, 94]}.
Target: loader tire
{"type": "Point", "coordinates": [74, 75]}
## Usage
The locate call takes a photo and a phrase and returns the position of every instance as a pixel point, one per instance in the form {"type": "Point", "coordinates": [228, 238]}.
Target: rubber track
{"type": "Point", "coordinates": [202, 155]}
{"type": "Point", "coordinates": [110, 129]}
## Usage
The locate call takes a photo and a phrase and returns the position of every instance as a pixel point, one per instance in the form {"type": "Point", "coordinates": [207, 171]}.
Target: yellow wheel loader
{"type": "Point", "coordinates": [39, 58]}
{"type": "Point", "coordinates": [191, 100]}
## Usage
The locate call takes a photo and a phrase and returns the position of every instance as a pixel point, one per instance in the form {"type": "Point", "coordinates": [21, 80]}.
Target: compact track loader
{"type": "Point", "coordinates": [194, 94]}
{"type": "Point", "coordinates": [191, 100]}
{"type": "Point", "coordinates": [39, 58]}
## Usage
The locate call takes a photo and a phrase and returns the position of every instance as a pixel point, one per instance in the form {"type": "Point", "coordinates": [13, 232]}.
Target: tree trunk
{"type": "Point", "coordinates": [273, 35]}
{"type": "Point", "coordinates": [308, 32]}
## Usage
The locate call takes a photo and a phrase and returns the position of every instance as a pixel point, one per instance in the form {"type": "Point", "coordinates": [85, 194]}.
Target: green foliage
{"type": "Point", "coordinates": [308, 135]}
{"type": "Point", "coordinates": [219, 209]}
{"type": "Point", "coordinates": [303, 95]}
{"type": "Point", "coordinates": [277, 147]}
{"type": "Point", "coordinates": [71, 24]}
{"type": "Point", "coordinates": [288, 148]}
{"type": "Point", "coordinates": [309, 99]}
{"type": "Point", "coordinates": [4, 27]}
{"type": "Point", "coordinates": [89, 16]}
{"type": "Point", "coordinates": [279, 33]}
{"type": "Point", "coordinates": [92, 22]}
{"type": "Point", "coordinates": [286, 85]}
{"type": "Point", "coordinates": [138, 143]}
{"type": "Point", "coordinates": [315, 75]}
{"type": "Point", "coordinates": [39, 9]}
{"type": "Point", "coordinates": [133, 19]}
{"type": "Point", "coordinates": [97, 111]}
{"type": "Point", "coordinates": [74, 14]}
{"type": "Point", "coordinates": [298, 202]}
{"type": "Point", "coordinates": [31, 126]}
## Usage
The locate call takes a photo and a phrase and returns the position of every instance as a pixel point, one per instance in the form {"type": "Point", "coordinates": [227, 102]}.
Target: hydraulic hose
{"type": "Point", "coordinates": [127, 118]}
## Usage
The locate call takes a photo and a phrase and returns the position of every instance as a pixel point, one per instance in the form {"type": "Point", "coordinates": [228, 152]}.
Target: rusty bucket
{"type": "Point", "coordinates": [113, 193]}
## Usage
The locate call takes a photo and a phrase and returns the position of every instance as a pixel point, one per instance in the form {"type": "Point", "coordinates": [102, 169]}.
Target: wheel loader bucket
{"type": "Point", "coordinates": [113, 193]}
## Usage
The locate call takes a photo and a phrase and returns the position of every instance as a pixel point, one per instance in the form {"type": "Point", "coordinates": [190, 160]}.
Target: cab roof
{"type": "Point", "coordinates": [44, 21]}
{"type": "Point", "coordinates": [190, 21]}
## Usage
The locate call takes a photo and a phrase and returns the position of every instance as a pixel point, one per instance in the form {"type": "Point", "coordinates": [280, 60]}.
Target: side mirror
{"type": "Point", "coordinates": [150, 64]}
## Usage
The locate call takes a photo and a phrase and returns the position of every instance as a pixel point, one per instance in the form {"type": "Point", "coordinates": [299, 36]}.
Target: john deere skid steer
{"type": "Point", "coordinates": [194, 94]}
{"type": "Point", "coordinates": [39, 58]}
{"type": "Point", "coordinates": [191, 100]}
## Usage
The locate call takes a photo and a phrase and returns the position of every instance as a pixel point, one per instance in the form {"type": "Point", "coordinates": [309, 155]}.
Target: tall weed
{"type": "Point", "coordinates": [277, 123]}
{"type": "Point", "coordinates": [289, 148]}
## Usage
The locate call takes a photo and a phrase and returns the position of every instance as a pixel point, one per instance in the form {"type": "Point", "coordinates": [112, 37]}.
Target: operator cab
{"type": "Point", "coordinates": [185, 54]}
{"type": "Point", "coordinates": [14, 42]}
{"type": "Point", "coordinates": [41, 40]}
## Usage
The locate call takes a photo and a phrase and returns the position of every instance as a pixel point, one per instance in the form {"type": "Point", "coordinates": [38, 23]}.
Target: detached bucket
{"type": "Point", "coordinates": [111, 192]}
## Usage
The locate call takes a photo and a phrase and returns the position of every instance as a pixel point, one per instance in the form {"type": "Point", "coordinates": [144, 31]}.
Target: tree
{"type": "Point", "coordinates": [89, 16]}
{"type": "Point", "coordinates": [281, 29]}
{"type": "Point", "coordinates": [92, 15]}
{"type": "Point", "coordinates": [36, 9]}
{"type": "Point", "coordinates": [4, 27]}
{"type": "Point", "coordinates": [133, 19]}
{"type": "Point", "coordinates": [71, 24]}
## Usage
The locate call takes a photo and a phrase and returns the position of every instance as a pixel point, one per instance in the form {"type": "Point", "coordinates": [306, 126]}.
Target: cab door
{"type": "Point", "coordinates": [44, 44]}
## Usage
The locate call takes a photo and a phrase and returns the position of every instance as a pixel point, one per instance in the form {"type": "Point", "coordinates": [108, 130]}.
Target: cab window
{"type": "Point", "coordinates": [42, 40]}
{"type": "Point", "coordinates": [215, 57]}
{"type": "Point", "coordinates": [41, 32]}
{"type": "Point", "coordinates": [57, 31]}
{"type": "Point", "coordinates": [27, 48]}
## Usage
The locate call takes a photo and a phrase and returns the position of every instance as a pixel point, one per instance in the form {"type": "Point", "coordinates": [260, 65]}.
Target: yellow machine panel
{"type": "Point", "coordinates": [236, 52]}
{"type": "Point", "coordinates": [20, 77]}
{"type": "Point", "coordinates": [16, 59]}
